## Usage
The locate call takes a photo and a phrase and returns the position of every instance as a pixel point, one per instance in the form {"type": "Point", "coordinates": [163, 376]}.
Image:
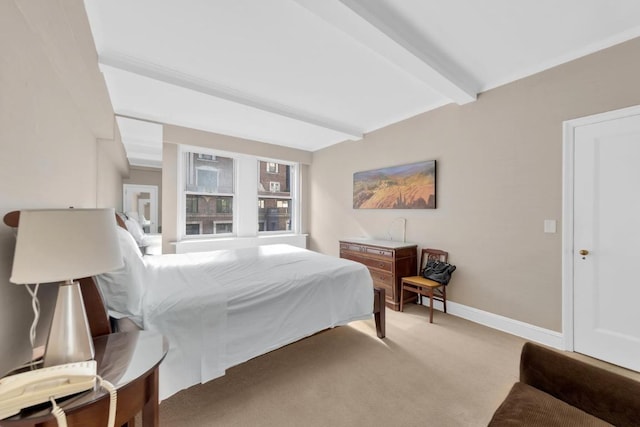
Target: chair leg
{"type": "Point", "coordinates": [401, 296]}
{"type": "Point", "coordinates": [444, 297]}
{"type": "Point", "coordinates": [430, 305]}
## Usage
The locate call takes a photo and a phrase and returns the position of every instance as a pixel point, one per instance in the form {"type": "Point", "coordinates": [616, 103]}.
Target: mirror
{"type": "Point", "coordinates": [140, 202]}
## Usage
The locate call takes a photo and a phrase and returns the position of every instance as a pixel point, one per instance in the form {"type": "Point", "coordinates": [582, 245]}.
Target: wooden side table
{"type": "Point", "coordinates": [129, 361]}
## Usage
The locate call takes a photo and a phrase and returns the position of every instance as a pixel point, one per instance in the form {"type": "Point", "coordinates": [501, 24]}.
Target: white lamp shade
{"type": "Point", "coordinates": [65, 244]}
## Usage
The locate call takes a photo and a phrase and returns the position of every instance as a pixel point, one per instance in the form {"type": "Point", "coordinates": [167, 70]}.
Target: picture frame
{"type": "Point", "coordinates": [408, 186]}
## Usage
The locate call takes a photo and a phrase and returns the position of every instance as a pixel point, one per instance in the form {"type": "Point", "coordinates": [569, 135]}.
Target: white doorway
{"type": "Point", "coordinates": [601, 241]}
{"type": "Point", "coordinates": [140, 202]}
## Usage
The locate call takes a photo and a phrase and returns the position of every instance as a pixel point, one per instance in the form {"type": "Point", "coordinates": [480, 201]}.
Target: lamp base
{"type": "Point", "coordinates": [69, 337]}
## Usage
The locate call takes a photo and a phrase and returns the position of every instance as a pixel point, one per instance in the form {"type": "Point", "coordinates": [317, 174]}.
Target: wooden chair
{"type": "Point", "coordinates": [426, 287]}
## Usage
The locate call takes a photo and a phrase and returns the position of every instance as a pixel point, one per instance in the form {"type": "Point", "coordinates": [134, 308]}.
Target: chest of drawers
{"type": "Point", "coordinates": [387, 261]}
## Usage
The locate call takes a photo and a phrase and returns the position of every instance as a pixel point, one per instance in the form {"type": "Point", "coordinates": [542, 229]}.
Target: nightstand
{"type": "Point", "coordinates": [128, 360]}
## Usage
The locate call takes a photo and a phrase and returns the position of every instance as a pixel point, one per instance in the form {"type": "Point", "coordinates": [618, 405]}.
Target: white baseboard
{"type": "Point", "coordinates": [515, 327]}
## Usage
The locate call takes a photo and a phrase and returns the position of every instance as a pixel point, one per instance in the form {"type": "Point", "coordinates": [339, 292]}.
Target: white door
{"type": "Point", "coordinates": [606, 244]}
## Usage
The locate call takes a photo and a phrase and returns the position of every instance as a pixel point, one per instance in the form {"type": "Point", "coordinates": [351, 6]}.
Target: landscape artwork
{"type": "Point", "coordinates": [411, 186]}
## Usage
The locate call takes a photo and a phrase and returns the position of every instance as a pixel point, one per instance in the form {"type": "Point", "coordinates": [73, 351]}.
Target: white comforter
{"type": "Point", "coordinates": [222, 308]}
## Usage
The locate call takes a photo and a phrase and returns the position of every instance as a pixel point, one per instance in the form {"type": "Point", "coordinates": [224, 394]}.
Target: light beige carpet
{"type": "Point", "coordinates": [449, 373]}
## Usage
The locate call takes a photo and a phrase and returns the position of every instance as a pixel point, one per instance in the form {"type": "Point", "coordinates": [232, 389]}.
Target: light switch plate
{"type": "Point", "coordinates": [549, 225]}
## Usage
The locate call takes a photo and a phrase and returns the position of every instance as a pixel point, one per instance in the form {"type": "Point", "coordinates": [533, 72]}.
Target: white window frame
{"type": "Point", "coordinates": [245, 193]}
{"type": "Point", "coordinates": [294, 198]}
{"type": "Point", "coordinates": [182, 193]}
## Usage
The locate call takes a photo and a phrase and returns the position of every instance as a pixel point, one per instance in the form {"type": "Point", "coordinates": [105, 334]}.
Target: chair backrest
{"type": "Point", "coordinates": [428, 254]}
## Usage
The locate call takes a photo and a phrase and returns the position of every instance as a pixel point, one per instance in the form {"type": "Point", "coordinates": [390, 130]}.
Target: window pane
{"type": "Point", "coordinates": [272, 167]}
{"type": "Point", "coordinates": [193, 229]}
{"type": "Point", "coordinates": [275, 179]}
{"type": "Point", "coordinates": [206, 173]}
{"type": "Point", "coordinates": [223, 227]}
{"type": "Point", "coordinates": [208, 214]}
{"type": "Point", "coordinates": [274, 214]}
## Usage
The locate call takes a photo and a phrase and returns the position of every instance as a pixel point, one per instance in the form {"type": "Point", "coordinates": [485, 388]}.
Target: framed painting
{"type": "Point", "coordinates": [411, 186]}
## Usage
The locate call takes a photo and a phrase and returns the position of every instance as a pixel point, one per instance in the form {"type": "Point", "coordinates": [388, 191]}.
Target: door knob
{"type": "Point", "coordinates": [584, 252]}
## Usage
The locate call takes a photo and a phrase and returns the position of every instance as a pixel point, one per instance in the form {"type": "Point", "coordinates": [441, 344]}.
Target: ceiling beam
{"type": "Point", "coordinates": [186, 81]}
{"type": "Point", "coordinates": [389, 37]}
{"type": "Point", "coordinates": [145, 162]}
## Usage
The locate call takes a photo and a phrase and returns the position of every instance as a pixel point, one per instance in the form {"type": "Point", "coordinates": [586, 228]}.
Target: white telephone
{"type": "Point", "coordinates": [46, 384]}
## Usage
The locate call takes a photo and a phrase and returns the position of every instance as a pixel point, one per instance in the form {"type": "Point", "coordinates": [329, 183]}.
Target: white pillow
{"type": "Point", "coordinates": [123, 289]}
{"type": "Point", "coordinates": [135, 230]}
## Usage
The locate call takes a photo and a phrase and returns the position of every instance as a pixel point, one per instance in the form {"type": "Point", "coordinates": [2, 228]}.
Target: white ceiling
{"type": "Point", "coordinates": [312, 73]}
{"type": "Point", "coordinates": [142, 140]}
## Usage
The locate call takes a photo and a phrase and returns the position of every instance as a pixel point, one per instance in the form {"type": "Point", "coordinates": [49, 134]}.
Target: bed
{"type": "Point", "coordinates": [221, 308]}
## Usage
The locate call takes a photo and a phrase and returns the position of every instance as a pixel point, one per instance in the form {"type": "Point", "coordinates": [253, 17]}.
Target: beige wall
{"type": "Point", "coordinates": [175, 135]}
{"type": "Point", "coordinates": [111, 167]}
{"type": "Point", "coordinates": [140, 175]}
{"type": "Point", "coordinates": [499, 177]}
{"type": "Point", "coordinates": [169, 196]}
{"type": "Point", "coordinates": [181, 135]}
{"type": "Point", "coordinates": [53, 108]}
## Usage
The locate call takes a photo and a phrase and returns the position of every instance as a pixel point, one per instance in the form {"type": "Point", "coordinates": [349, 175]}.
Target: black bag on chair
{"type": "Point", "coordinates": [438, 271]}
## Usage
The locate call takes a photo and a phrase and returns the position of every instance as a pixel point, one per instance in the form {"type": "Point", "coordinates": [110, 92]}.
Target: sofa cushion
{"type": "Point", "coordinates": [528, 406]}
{"type": "Point", "coordinates": [601, 393]}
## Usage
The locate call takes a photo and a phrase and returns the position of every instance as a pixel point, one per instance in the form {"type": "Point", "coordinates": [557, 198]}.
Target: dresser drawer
{"type": "Point", "coordinates": [351, 247]}
{"type": "Point", "coordinates": [350, 255]}
{"type": "Point", "coordinates": [380, 252]}
{"type": "Point", "coordinates": [381, 277]}
{"type": "Point", "coordinates": [389, 291]}
{"type": "Point", "coordinates": [380, 264]}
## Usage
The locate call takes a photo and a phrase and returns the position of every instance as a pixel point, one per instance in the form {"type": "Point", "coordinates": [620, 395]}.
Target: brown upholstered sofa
{"type": "Point", "coordinates": [557, 390]}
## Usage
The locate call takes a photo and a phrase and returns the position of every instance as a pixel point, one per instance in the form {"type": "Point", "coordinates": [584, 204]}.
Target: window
{"type": "Point", "coordinates": [206, 177]}
{"type": "Point", "coordinates": [274, 196]}
{"type": "Point", "coordinates": [218, 191]}
{"type": "Point", "coordinates": [272, 167]}
{"type": "Point", "coordinates": [193, 228]}
{"type": "Point", "coordinates": [208, 193]}
{"type": "Point", "coordinates": [223, 227]}
{"type": "Point", "coordinates": [223, 205]}
{"type": "Point", "coordinates": [192, 205]}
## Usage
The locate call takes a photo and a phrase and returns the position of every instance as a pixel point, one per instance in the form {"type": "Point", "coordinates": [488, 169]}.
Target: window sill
{"type": "Point", "coordinates": [212, 244]}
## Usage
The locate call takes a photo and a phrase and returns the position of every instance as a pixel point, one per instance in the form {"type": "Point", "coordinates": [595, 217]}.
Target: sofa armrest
{"type": "Point", "coordinates": [603, 394]}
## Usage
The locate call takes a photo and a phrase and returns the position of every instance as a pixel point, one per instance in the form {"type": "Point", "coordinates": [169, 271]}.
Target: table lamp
{"type": "Point", "coordinates": [60, 245]}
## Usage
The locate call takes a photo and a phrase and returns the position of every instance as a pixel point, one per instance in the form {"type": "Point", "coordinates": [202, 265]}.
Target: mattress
{"type": "Point", "coordinates": [222, 308]}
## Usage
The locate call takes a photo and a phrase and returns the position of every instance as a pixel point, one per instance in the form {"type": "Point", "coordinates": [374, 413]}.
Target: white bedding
{"type": "Point", "coordinates": [222, 308]}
